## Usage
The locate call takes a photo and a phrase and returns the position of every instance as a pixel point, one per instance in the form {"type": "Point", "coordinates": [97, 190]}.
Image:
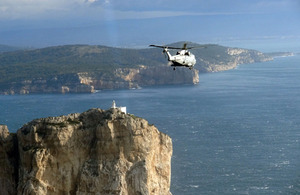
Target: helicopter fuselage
{"type": "Point", "coordinates": [182, 58]}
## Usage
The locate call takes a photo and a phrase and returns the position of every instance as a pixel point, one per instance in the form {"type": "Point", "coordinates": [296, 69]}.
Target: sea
{"type": "Point", "coordinates": [236, 132]}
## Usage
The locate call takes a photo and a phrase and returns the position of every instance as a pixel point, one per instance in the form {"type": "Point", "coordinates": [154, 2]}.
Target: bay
{"type": "Point", "coordinates": [236, 132]}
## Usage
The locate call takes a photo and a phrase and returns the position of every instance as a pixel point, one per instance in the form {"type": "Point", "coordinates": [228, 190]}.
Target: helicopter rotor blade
{"type": "Point", "coordinates": [184, 46]}
{"type": "Point", "coordinates": [159, 46]}
{"type": "Point", "coordinates": [162, 46]}
{"type": "Point", "coordinates": [168, 47]}
{"type": "Point", "coordinates": [202, 46]}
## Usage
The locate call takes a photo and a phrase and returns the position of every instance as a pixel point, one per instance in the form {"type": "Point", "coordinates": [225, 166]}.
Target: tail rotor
{"type": "Point", "coordinates": [165, 52]}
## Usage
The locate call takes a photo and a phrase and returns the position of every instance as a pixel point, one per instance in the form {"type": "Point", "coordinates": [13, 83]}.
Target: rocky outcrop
{"type": "Point", "coordinates": [245, 56]}
{"type": "Point", "coordinates": [95, 152]}
{"type": "Point", "coordinates": [8, 162]}
{"type": "Point", "coordinates": [231, 58]}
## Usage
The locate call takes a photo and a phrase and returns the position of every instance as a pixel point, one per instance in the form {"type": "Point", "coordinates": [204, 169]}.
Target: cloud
{"type": "Point", "coordinates": [15, 9]}
{"type": "Point", "coordinates": [100, 9]}
{"type": "Point", "coordinates": [162, 14]}
{"type": "Point", "coordinates": [125, 9]}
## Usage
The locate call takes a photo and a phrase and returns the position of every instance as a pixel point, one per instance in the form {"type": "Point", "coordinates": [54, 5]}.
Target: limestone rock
{"type": "Point", "coordinates": [121, 78]}
{"type": "Point", "coordinates": [95, 152]}
{"type": "Point", "coordinates": [230, 58]}
{"type": "Point", "coordinates": [8, 162]}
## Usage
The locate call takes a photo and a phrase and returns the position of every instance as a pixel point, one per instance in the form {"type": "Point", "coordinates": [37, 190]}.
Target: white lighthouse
{"type": "Point", "coordinates": [113, 104]}
{"type": "Point", "coordinates": [122, 109]}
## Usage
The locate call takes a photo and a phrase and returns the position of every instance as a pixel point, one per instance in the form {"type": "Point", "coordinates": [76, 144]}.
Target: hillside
{"type": "Point", "coordinates": [83, 68]}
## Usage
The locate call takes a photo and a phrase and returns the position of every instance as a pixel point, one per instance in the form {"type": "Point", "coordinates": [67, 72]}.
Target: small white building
{"type": "Point", "coordinates": [122, 109]}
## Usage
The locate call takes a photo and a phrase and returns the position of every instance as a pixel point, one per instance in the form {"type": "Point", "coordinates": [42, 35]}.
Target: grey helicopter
{"type": "Point", "coordinates": [183, 57]}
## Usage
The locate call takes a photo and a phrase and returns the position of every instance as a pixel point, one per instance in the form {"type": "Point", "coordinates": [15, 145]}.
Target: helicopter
{"type": "Point", "coordinates": [183, 57]}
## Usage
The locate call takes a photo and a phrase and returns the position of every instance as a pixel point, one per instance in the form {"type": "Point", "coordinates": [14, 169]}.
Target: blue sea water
{"type": "Point", "coordinates": [236, 132]}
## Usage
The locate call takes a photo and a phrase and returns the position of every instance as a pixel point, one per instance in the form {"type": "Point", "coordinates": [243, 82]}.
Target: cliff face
{"type": "Point", "coordinates": [122, 78]}
{"type": "Point", "coordinates": [164, 75]}
{"type": "Point", "coordinates": [96, 152]}
{"type": "Point", "coordinates": [8, 162]}
{"type": "Point", "coordinates": [146, 76]}
{"type": "Point", "coordinates": [69, 83]}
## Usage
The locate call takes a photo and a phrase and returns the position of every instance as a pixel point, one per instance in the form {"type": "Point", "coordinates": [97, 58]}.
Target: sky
{"type": "Point", "coordinates": [257, 24]}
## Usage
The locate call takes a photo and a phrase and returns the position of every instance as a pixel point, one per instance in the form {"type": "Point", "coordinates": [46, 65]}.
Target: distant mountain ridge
{"type": "Point", "coordinates": [85, 68]}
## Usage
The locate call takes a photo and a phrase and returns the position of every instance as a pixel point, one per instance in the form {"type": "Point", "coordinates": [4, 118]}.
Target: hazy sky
{"type": "Point", "coordinates": [127, 23]}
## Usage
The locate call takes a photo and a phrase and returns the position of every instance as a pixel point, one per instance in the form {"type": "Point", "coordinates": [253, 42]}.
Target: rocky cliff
{"type": "Point", "coordinates": [230, 58]}
{"type": "Point", "coordinates": [95, 152]}
{"type": "Point", "coordinates": [8, 162]}
{"type": "Point", "coordinates": [68, 83]}
{"type": "Point", "coordinates": [121, 78]}
{"type": "Point", "coordinates": [143, 76]}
